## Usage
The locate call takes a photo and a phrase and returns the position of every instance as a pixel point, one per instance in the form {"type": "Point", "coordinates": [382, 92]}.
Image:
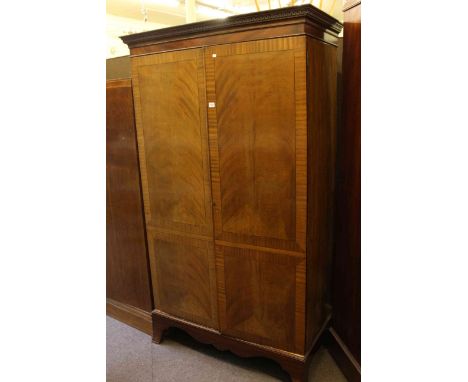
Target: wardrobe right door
{"type": "Point", "coordinates": [256, 94]}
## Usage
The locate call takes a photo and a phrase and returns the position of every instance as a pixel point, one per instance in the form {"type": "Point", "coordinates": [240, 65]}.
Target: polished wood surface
{"type": "Point", "coordinates": [289, 21]}
{"type": "Point", "coordinates": [322, 72]}
{"type": "Point", "coordinates": [130, 315]}
{"type": "Point", "coordinates": [295, 365]}
{"type": "Point", "coordinates": [185, 277]}
{"type": "Point", "coordinates": [118, 68]}
{"type": "Point", "coordinates": [346, 287]}
{"type": "Point", "coordinates": [236, 143]}
{"type": "Point", "coordinates": [261, 297]}
{"type": "Point", "coordinates": [171, 122]}
{"type": "Point", "coordinates": [257, 141]}
{"type": "Point", "coordinates": [258, 149]}
{"type": "Point", "coordinates": [171, 118]}
{"type": "Point", "coordinates": [127, 270]}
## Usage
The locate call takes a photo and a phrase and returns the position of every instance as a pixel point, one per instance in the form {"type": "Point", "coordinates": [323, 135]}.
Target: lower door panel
{"type": "Point", "coordinates": [185, 282]}
{"type": "Point", "coordinates": [261, 297]}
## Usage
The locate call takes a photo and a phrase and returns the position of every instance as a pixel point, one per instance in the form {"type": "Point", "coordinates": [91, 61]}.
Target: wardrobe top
{"type": "Point", "coordinates": [307, 14]}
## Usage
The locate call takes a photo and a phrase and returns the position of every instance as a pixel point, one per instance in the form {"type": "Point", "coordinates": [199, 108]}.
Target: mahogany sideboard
{"type": "Point", "coordinates": [236, 123]}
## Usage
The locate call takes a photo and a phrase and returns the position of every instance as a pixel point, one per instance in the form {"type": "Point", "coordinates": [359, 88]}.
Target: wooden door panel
{"type": "Point", "coordinates": [170, 109]}
{"type": "Point", "coordinates": [257, 155]}
{"type": "Point", "coordinates": [258, 141]}
{"type": "Point", "coordinates": [173, 143]}
{"type": "Point", "coordinates": [185, 277]}
{"type": "Point", "coordinates": [262, 297]}
{"type": "Point", "coordinates": [171, 113]}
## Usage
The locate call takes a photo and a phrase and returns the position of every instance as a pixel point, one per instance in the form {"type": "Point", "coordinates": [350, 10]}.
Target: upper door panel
{"type": "Point", "coordinates": [258, 141]}
{"type": "Point", "coordinates": [170, 107]}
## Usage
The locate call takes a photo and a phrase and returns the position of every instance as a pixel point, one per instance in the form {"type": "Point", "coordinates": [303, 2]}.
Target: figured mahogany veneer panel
{"type": "Point", "coordinates": [171, 120]}
{"type": "Point", "coordinates": [258, 141]}
{"type": "Point", "coordinates": [170, 109]}
{"type": "Point", "coordinates": [185, 277]}
{"type": "Point", "coordinates": [257, 144]}
{"type": "Point", "coordinates": [262, 297]}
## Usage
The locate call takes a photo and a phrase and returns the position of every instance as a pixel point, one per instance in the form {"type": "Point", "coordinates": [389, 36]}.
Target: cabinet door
{"type": "Point", "coordinates": [257, 130]}
{"type": "Point", "coordinates": [257, 127]}
{"type": "Point", "coordinates": [262, 297]}
{"type": "Point", "coordinates": [170, 109]}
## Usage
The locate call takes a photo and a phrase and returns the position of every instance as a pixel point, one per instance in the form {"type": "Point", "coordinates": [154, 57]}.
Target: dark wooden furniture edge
{"type": "Point", "coordinates": [295, 365]}
{"type": "Point", "coordinates": [342, 356]}
{"type": "Point", "coordinates": [350, 4]}
{"type": "Point", "coordinates": [311, 14]}
{"type": "Point", "coordinates": [118, 68]}
{"type": "Point", "coordinates": [118, 82]}
{"type": "Point", "coordinates": [130, 315]}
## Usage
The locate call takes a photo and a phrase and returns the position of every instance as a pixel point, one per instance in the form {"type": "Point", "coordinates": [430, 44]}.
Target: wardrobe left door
{"type": "Point", "coordinates": [170, 111]}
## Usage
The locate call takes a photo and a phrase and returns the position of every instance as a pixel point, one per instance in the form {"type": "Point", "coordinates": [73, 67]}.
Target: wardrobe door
{"type": "Point", "coordinates": [170, 109]}
{"type": "Point", "coordinates": [257, 127]}
{"type": "Point", "coordinates": [258, 141]}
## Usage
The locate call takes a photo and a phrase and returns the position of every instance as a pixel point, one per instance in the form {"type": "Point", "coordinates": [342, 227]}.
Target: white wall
{"type": "Point", "coordinates": [122, 25]}
{"type": "Point", "coordinates": [119, 26]}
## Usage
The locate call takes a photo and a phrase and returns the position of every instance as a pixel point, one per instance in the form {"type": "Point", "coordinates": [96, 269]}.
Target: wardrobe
{"type": "Point", "coordinates": [236, 123]}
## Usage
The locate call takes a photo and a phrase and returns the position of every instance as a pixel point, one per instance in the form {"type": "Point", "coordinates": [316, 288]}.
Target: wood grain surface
{"type": "Point", "coordinates": [257, 142]}
{"type": "Point", "coordinates": [171, 121]}
{"type": "Point", "coordinates": [346, 291]}
{"type": "Point", "coordinates": [127, 270]}
{"type": "Point", "coordinates": [172, 134]}
{"type": "Point", "coordinates": [185, 277]}
{"type": "Point", "coordinates": [296, 365]}
{"type": "Point", "coordinates": [258, 297]}
{"type": "Point", "coordinates": [288, 21]}
{"type": "Point", "coordinates": [130, 315]}
{"type": "Point", "coordinates": [237, 145]}
{"type": "Point", "coordinates": [322, 115]}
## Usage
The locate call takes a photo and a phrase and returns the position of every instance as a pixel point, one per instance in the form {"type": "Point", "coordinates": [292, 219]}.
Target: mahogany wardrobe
{"type": "Point", "coordinates": [236, 123]}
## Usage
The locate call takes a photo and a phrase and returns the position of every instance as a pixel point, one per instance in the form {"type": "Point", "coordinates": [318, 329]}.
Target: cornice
{"type": "Point", "coordinates": [310, 13]}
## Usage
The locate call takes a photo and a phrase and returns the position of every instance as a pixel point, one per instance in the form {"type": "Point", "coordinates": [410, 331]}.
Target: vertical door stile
{"type": "Point", "coordinates": [209, 58]}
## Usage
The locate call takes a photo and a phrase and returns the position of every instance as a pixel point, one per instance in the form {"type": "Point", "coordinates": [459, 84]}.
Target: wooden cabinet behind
{"type": "Point", "coordinates": [236, 144]}
{"type": "Point", "coordinates": [128, 286]}
{"type": "Point", "coordinates": [346, 287]}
